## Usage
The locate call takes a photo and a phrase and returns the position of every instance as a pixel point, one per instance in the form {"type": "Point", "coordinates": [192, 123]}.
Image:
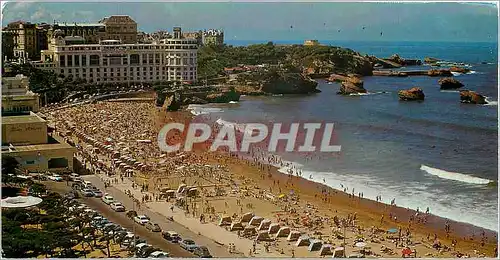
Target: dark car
{"type": "Point", "coordinates": [202, 251]}
{"type": "Point", "coordinates": [171, 236]}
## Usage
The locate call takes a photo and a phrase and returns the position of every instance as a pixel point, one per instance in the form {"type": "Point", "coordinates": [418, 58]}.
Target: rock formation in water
{"type": "Point", "coordinates": [459, 70]}
{"type": "Point", "coordinates": [352, 85]}
{"type": "Point", "coordinates": [439, 73]}
{"type": "Point", "coordinates": [471, 97]}
{"type": "Point", "coordinates": [413, 94]}
{"type": "Point", "coordinates": [450, 83]}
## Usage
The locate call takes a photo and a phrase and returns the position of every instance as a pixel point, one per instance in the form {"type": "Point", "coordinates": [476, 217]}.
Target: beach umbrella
{"type": "Point", "coordinates": [392, 230]}
{"type": "Point", "coordinates": [360, 244]}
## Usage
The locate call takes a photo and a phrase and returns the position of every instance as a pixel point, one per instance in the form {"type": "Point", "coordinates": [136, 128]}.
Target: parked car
{"type": "Point", "coordinates": [202, 251]}
{"type": "Point", "coordinates": [171, 236]}
{"type": "Point", "coordinates": [73, 176]}
{"type": "Point", "coordinates": [158, 254]}
{"type": "Point", "coordinates": [141, 219]}
{"type": "Point", "coordinates": [118, 207]}
{"type": "Point", "coordinates": [140, 247]}
{"type": "Point", "coordinates": [87, 193]}
{"type": "Point", "coordinates": [188, 244]}
{"type": "Point", "coordinates": [55, 177]}
{"type": "Point", "coordinates": [97, 193]}
{"type": "Point", "coordinates": [107, 199]}
{"type": "Point", "coordinates": [153, 226]}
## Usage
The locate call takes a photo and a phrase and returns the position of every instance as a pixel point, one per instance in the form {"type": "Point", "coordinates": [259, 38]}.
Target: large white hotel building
{"type": "Point", "coordinates": [110, 61]}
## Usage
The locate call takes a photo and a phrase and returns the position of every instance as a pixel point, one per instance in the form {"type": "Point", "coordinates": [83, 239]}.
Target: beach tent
{"type": "Point", "coordinates": [247, 217]}
{"type": "Point", "coordinates": [181, 188]}
{"type": "Point", "coordinates": [264, 225]}
{"type": "Point", "coordinates": [249, 231]}
{"type": "Point", "coordinates": [225, 221]}
{"type": "Point", "coordinates": [303, 241]}
{"type": "Point", "coordinates": [283, 232]}
{"type": "Point", "coordinates": [293, 236]}
{"type": "Point", "coordinates": [338, 252]}
{"type": "Point", "coordinates": [326, 249]}
{"type": "Point", "coordinates": [315, 245]}
{"type": "Point", "coordinates": [273, 228]}
{"type": "Point", "coordinates": [255, 221]}
{"type": "Point", "coordinates": [192, 192]}
{"type": "Point", "coordinates": [167, 194]}
{"type": "Point", "coordinates": [263, 236]}
{"type": "Point", "coordinates": [236, 226]}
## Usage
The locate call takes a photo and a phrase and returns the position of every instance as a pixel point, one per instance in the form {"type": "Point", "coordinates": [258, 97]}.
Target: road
{"type": "Point", "coordinates": [153, 238]}
{"type": "Point", "coordinates": [215, 249]}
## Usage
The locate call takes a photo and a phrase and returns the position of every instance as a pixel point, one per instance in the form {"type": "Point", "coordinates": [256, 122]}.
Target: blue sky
{"type": "Point", "coordinates": [456, 22]}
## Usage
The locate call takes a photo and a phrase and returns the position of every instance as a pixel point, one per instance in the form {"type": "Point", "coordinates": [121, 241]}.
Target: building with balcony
{"type": "Point", "coordinates": [112, 61]}
{"type": "Point", "coordinates": [24, 37]}
{"type": "Point", "coordinates": [120, 27]}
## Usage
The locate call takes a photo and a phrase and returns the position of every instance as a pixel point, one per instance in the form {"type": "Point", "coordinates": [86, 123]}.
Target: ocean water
{"type": "Point", "coordinates": [438, 153]}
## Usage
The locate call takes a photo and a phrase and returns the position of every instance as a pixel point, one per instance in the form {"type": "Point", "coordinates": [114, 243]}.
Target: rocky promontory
{"type": "Point", "coordinates": [450, 83]}
{"type": "Point", "coordinates": [439, 73]}
{"type": "Point", "coordinates": [413, 94]}
{"type": "Point", "coordinates": [459, 70]}
{"type": "Point", "coordinates": [471, 97]}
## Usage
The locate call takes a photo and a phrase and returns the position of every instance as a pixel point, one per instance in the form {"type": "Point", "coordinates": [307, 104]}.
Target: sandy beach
{"type": "Point", "coordinates": [118, 141]}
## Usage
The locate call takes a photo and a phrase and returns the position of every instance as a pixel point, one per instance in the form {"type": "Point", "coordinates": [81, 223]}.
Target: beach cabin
{"type": "Point", "coordinates": [263, 236]}
{"type": "Point", "coordinates": [247, 217]}
{"type": "Point", "coordinates": [303, 241]}
{"type": "Point", "coordinates": [293, 236]}
{"type": "Point", "coordinates": [338, 252]}
{"type": "Point", "coordinates": [249, 231]}
{"type": "Point", "coordinates": [283, 232]}
{"type": "Point", "coordinates": [273, 228]}
{"type": "Point", "coordinates": [315, 245]}
{"type": "Point", "coordinates": [264, 225]}
{"type": "Point", "coordinates": [255, 221]}
{"type": "Point", "coordinates": [236, 226]}
{"type": "Point", "coordinates": [225, 221]}
{"type": "Point", "coordinates": [326, 249]}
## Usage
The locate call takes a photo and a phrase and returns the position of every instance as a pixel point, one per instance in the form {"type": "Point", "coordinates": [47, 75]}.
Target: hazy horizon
{"type": "Point", "coordinates": [334, 21]}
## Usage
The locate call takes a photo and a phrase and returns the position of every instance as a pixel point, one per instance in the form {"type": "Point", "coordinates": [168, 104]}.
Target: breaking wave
{"type": "Point", "coordinates": [455, 176]}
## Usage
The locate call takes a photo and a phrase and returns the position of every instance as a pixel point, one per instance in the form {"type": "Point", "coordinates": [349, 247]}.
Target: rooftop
{"type": "Point", "coordinates": [21, 119]}
{"type": "Point", "coordinates": [79, 24]}
{"type": "Point", "coordinates": [39, 147]}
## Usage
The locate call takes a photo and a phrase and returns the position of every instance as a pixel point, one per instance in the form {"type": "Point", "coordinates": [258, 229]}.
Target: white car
{"type": "Point", "coordinates": [108, 199]}
{"type": "Point", "coordinates": [74, 176]}
{"type": "Point", "coordinates": [55, 177]}
{"type": "Point", "coordinates": [117, 206]}
{"type": "Point", "coordinates": [141, 219]}
{"type": "Point", "coordinates": [158, 254]}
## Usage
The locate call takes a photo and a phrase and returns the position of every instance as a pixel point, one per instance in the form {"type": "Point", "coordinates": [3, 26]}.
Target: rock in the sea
{"type": "Point", "coordinates": [337, 78]}
{"type": "Point", "coordinates": [459, 70]}
{"type": "Point", "coordinates": [450, 83]}
{"type": "Point", "coordinates": [413, 94]}
{"type": "Point", "coordinates": [290, 83]}
{"type": "Point", "coordinates": [439, 73]}
{"type": "Point", "coordinates": [224, 97]}
{"type": "Point", "coordinates": [352, 85]}
{"type": "Point", "coordinates": [471, 97]}
{"type": "Point", "coordinates": [430, 60]}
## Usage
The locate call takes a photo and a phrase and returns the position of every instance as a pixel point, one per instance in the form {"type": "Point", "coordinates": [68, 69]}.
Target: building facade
{"type": "Point", "coordinates": [16, 96]}
{"type": "Point", "coordinates": [7, 45]}
{"type": "Point", "coordinates": [213, 37]}
{"type": "Point", "coordinates": [112, 61]}
{"type": "Point", "coordinates": [24, 37]}
{"type": "Point", "coordinates": [92, 33]}
{"type": "Point", "coordinates": [120, 27]}
{"type": "Point", "coordinates": [25, 137]}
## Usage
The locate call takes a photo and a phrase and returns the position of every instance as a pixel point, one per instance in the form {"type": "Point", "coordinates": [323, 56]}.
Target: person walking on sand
{"type": "Point", "coordinates": [172, 208]}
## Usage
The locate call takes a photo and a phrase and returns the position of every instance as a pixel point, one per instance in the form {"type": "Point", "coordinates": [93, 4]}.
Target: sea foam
{"type": "Point", "coordinates": [455, 176]}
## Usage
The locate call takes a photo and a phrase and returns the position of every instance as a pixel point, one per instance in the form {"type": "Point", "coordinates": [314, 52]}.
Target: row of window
{"type": "Point", "coordinates": [134, 47]}
{"type": "Point", "coordinates": [131, 78]}
{"type": "Point", "coordinates": [144, 70]}
{"type": "Point", "coordinates": [81, 60]}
